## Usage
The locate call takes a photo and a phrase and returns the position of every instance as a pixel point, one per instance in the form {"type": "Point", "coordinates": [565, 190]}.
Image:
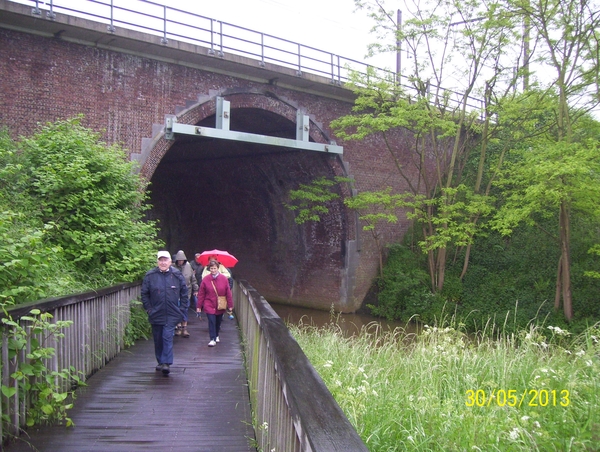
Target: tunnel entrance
{"type": "Point", "coordinates": [209, 193]}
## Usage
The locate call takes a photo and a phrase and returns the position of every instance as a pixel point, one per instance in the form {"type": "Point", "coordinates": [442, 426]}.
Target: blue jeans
{"type": "Point", "coordinates": [163, 343]}
{"type": "Point", "coordinates": [214, 325]}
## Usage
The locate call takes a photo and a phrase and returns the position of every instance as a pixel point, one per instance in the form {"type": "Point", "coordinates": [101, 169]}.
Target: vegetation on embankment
{"type": "Point", "coordinates": [537, 389]}
{"type": "Point", "coordinates": [71, 215]}
{"type": "Point", "coordinates": [512, 277]}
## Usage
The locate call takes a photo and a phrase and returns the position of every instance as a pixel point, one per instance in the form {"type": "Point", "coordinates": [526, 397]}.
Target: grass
{"type": "Point", "coordinates": [444, 390]}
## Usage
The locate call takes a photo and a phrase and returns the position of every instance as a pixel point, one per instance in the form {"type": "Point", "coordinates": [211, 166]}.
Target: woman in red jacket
{"type": "Point", "coordinates": [213, 285]}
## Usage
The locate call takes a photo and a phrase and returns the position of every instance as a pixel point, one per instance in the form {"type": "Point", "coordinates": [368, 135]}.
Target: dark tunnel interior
{"type": "Point", "coordinates": [210, 193]}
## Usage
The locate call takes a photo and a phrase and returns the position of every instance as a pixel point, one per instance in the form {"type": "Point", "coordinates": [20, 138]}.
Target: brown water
{"type": "Point", "coordinates": [350, 324]}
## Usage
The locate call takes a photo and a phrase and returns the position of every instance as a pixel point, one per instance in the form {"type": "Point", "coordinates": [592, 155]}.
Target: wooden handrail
{"type": "Point", "coordinates": [293, 408]}
{"type": "Point", "coordinates": [95, 337]}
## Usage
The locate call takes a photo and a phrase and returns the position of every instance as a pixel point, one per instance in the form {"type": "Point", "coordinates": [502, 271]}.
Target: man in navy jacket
{"type": "Point", "coordinates": [164, 296]}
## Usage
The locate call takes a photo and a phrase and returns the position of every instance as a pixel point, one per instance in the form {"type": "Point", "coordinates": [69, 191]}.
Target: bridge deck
{"type": "Point", "coordinates": [203, 405]}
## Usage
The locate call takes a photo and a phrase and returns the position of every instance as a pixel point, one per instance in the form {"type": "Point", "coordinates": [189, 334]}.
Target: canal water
{"type": "Point", "coordinates": [350, 324]}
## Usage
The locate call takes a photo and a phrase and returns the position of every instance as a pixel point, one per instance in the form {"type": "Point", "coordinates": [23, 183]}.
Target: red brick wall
{"type": "Point", "coordinates": [122, 96]}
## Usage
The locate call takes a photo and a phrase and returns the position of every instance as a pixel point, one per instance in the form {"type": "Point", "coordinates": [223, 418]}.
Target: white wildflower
{"type": "Point", "coordinates": [588, 363]}
{"type": "Point", "coordinates": [558, 331]}
{"type": "Point", "coordinates": [536, 424]}
{"type": "Point", "coordinates": [525, 418]}
{"type": "Point", "coordinates": [580, 353]}
{"type": "Point", "coordinates": [514, 434]}
{"type": "Point", "coordinates": [329, 363]}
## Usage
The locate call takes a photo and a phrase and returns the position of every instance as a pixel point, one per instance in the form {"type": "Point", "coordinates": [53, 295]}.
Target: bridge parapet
{"type": "Point", "coordinates": [287, 395]}
{"type": "Point", "coordinates": [173, 34]}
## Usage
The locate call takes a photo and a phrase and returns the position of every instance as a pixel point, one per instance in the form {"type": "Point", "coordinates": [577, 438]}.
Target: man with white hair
{"type": "Point", "coordinates": [164, 296]}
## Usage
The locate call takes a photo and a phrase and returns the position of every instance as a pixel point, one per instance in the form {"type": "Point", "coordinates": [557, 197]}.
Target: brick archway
{"type": "Point", "coordinates": [231, 195]}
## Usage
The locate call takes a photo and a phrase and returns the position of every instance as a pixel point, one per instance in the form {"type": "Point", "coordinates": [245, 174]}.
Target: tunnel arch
{"type": "Point", "coordinates": [209, 193]}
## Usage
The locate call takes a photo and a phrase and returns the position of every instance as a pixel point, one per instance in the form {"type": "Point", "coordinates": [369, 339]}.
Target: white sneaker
{"type": "Point", "coordinates": [217, 339]}
{"type": "Point", "coordinates": [212, 343]}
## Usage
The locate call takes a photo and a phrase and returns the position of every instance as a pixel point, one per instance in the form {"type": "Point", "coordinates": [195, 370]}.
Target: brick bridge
{"type": "Point", "coordinates": [206, 193]}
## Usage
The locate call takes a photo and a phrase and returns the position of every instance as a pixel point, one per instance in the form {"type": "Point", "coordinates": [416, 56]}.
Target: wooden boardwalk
{"type": "Point", "coordinates": [202, 406]}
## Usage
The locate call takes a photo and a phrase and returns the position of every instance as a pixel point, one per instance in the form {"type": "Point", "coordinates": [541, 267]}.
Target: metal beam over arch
{"type": "Point", "coordinates": [222, 132]}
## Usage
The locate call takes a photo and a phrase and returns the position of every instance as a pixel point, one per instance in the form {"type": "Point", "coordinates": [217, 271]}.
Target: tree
{"type": "Point", "coordinates": [448, 40]}
{"type": "Point", "coordinates": [566, 39]}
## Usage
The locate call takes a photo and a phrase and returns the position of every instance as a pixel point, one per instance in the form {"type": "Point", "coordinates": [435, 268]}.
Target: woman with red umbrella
{"type": "Point", "coordinates": [214, 285]}
{"type": "Point", "coordinates": [225, 260]}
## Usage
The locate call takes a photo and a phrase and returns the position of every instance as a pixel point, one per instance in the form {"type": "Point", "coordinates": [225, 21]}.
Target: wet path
{"type": "Point", "coordinates": [202, 406]}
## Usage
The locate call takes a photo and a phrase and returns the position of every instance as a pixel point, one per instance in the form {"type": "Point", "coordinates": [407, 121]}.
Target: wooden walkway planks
{"type": "Point", "coordinates": [202, 406]}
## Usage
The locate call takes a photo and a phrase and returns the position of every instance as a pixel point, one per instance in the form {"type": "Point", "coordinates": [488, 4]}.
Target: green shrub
{"type": "Point", "coordinates": [71, 215]}
{"type": "Point", "coordinates": [138, 326]}
{"type": "Point", "coordinates": [50, 393]}
{"type": "Point", "coordinates": [403, 289]}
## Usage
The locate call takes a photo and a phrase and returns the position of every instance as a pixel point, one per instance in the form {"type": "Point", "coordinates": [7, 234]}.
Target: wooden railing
{"type": "Point", "coordinates": [293, 409]}
{"type": "Point", "coordinates": [95, 337]}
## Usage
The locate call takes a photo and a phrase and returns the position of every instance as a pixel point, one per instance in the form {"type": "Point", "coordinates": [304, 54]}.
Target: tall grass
{"type": "Point", "coordinates": [410, 392]}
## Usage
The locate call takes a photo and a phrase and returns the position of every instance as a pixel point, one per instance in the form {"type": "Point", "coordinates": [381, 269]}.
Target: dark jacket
{"type": "Point", "coordinates": [164, 296]}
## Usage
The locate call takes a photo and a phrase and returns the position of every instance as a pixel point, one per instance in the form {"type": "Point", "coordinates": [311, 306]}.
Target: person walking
{"type": "Point", "coordinates": [222, 269]}
{"type": "Point", "coordinates": [182, 264]}
{"type": "Point", "coordinates": [213, 286]}
{"type": "Point", "coordinates": [164, 296]}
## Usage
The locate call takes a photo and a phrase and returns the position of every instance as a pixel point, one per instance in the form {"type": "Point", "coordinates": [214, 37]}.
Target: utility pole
{"type": "Point", "coordinates": [398, 47]}
{"type": "Point", "coordinates": [526, 51]}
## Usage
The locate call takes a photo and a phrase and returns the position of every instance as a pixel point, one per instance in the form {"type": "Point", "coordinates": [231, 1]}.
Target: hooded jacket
{"type": "Point", "coordinates": [188, 273]}
{"type": "Point", "coordinates": [164, 296]}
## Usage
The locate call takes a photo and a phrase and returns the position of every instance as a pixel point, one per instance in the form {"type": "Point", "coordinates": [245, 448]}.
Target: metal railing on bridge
{"type": "Point", "coordinates": [221, 38]}
{"type": "Point", "coordinates": [286, 393]}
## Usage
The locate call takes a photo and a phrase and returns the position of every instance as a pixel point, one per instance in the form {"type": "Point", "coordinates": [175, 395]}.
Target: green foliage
{"type": "Point", "coordinates": [310, 200]}
{"type": "Point", "coordinates": [451, 214]}
{"type": "Point", "coordinates": [403, 291]}
{"type": "Point", "coordinates": [90, 192]}
{"type": "Point", "coordinates": [71, 215]}
{"type": "Point", "coordinates": [510, 278]}
{"type": "Point", "coordinates": [43, 388]}
{"type": "Point", "coordinates": [138, 326]}
{"type": "Point", "coordinates": [547, 175]}
{"type": "Point", "coordinates": [374, 206]}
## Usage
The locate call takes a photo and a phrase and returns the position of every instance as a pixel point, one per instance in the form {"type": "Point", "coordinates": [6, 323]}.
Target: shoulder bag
{"type": "Point", "coordinates": [221, 300]}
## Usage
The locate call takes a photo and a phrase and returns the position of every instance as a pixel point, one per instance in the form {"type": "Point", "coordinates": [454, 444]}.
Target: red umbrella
{"type": "Point", "coordinates": [228, 260]}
